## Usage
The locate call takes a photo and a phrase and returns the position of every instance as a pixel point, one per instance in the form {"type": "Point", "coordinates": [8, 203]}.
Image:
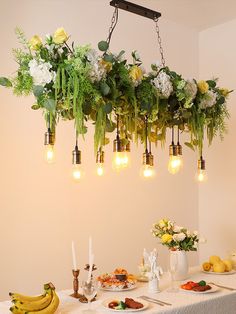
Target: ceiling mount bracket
{"type": "Point", "coordinates": [135, 8]}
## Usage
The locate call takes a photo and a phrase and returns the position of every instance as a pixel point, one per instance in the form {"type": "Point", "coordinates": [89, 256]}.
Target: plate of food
{"type": "Point", "coordinates": [119, 280]}
{"type": "Point", "coordinates": [125, 305]}
{"type": "Point", "coordinates": [200, 287]}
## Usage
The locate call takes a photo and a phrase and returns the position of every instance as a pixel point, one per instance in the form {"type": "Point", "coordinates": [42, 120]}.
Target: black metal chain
{"type": "Point", "coordinates": [159, 42]}
{"type": "Point", "coordinates": [114, 21]}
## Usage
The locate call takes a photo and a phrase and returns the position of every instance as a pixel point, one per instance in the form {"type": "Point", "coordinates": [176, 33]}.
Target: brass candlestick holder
{"type": "Point", "coordinates": [83, 299]}
{"type": "Point", "coordinates": [75, 294]}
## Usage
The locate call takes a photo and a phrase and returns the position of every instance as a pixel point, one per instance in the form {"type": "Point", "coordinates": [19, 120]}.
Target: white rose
{"type": "Point", "coordinates": [177, 229]}
{"type": "Point", "coordinates": [178, 237]}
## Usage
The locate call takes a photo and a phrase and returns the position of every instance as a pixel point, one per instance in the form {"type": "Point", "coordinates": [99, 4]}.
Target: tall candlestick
{"type": "Point", "coordinates": [73, 256]}
{"type": "Point", "coordinates": [90, 249]}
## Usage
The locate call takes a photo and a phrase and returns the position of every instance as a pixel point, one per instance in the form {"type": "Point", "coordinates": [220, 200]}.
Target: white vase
{"type": "Point", "coordinates": [181, 259]}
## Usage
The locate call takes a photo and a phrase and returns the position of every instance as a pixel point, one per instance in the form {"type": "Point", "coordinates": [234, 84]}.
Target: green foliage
{"type": "Point", "coordinates": [103, 45]}
{"type": "Point", "coordinates": [85, 86]}
{"type": "Point", "coordinates": [5, 82]}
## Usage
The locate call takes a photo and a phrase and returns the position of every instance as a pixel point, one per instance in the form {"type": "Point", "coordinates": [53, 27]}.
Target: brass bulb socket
{"type": "Point", "coordinates": [76, 156]}
{"type": "Point", "coordinates": [148, 159]}
{"type": "Point", "coordinates": [127, 147]}
{"type": "Point", "coordinates": [100, 157]}
{"type": "Point", "coordinates": [179, 150]}
{"type": "Point", "coordinates": [201, 164]}
{"type": "Point", "coordinates": [117, 146]}
{"type": "Point", "coordinates": [173, 150]}
{"type": "Point", "coordinates": [49, 138]}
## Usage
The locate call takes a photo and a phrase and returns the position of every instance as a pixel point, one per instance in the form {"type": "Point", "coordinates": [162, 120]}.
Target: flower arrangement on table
{"type": "Point", "coordinates": [176, 238]}
{"type": "Point", "coordinates": [76, 83]}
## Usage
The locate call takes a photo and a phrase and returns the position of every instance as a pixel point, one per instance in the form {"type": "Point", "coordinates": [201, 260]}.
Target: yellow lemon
{"type": "Point", "coordinates": [214, 259]}
{"type": "Point", "coordinates": [219, 267]}
{"type": "Point", "coordinates": [228, 265]}
{"type": "Point", "coordinates": [206, 266]}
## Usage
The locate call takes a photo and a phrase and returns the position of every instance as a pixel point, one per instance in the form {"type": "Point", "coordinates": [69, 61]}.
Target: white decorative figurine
{"type": "Point", "coordinates": [155, 272]}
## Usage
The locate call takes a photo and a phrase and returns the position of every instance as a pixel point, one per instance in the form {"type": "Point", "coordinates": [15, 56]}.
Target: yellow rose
{"type": "Point", "coordinates": [60, 36]}
{"type": "Point", "coordinates": [136, 73]}
{"type": "Point", "coordinates": [224, 92]}
{"type": "Point", "coordinates": [203, 86]}
{"type": "Point", "coordinates": [107, 65]}
{"type": "Point", "coordinates": [166, 238]}
{"type": "Point", "coordinates": [35, 42]}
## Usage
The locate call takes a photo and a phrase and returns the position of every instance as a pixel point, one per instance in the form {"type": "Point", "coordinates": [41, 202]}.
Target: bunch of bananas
{"type": "Point", "coordinates": [46, 303]}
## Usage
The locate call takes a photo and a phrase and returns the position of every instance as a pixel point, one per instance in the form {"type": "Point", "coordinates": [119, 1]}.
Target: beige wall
{"type": "Point", "coordinates": [41, 209]}
{"type": "Point", "coordinates": [217, 202]}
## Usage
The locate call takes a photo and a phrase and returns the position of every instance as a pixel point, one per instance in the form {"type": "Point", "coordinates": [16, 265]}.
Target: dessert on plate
{"type": "Point", "coordinates": [119, 279]}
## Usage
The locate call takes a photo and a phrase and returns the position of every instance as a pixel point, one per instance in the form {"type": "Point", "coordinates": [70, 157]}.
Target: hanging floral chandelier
{"type": "Point", "coordinates": [76, 83]}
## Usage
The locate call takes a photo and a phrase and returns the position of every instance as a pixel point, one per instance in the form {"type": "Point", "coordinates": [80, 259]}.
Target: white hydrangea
{"type": "Point", "coordinates": [163, 84]}
{"type": "Point", "coordinates": [191, 88]}
{"type": "Point", "coordinates": [97, 71]}
{"type": "Point", "coordinates": [41, 73]}
{"type": "Point", "coordinates": [178, 237]}
{"type": "Point", "coordinates": [208, 100]}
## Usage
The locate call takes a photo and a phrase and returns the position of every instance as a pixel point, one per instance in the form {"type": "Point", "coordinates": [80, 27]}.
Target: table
{"type": "Point", "coordinates": [220, 302]}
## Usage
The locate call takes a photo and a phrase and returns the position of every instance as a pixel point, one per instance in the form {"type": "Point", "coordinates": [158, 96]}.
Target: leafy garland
{"type": "Point", "coordinates": [75, 83]}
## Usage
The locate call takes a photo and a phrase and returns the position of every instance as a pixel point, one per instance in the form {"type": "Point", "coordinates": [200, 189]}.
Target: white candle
{"type": "Point", "coordinates": [90, 249]}
{"type": "Point", "coordinates": [73, 256]}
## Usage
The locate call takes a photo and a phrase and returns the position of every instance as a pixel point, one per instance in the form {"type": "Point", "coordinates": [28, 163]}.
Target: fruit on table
{"type": "Point", "coordinates": [228, 265]}
{"type": "Point", "coordinates": [46, 303]}
{"type": "Point", "coordinates": [219, 267]}
{"type": "Point", "coordinates": [206, 266]}
{"type": "Point", "coordinates": [214, 259]}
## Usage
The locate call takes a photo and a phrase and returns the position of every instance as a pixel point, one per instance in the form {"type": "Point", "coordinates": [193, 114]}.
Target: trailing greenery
{"type": "Point", "coordinates": [76, 83]}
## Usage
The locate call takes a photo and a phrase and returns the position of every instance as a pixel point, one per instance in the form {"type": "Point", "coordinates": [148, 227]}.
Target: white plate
{"type": "Point", "coordinates": [118, 290]}
{"type": "Point", "coordinates": [225, 273]}
{"type": "Point", "coordinates": [212, 290]}
{"type": "Point", "coordinates": [107, 301]}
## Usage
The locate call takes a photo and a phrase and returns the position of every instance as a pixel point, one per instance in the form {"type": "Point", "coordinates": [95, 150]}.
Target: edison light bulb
{"type": "Point", "coordinates": [147, 171]}
{"type": "Point", "coordinates": [120, 160]}
{"type": "Point", "coordinates": [100, 169]}
{"type": "Point", "coordinates": [201, 175]}
{"type": "Point", "coordinates": [174, 164]}
{"type": "Point", "coordinates": [126, 159]}
{"type": "Point", "coordinates": [49, 153]}
{"type": "Point", "coordinates": [77, 172]}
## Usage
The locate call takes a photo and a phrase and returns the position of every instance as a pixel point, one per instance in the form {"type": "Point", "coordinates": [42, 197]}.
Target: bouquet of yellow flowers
{"type": "Point", "coordinates": [174, 236]}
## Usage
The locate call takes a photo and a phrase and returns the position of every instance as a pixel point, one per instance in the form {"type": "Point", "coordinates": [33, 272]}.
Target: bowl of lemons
{"type": "Point", "coordinates": [217, 266]}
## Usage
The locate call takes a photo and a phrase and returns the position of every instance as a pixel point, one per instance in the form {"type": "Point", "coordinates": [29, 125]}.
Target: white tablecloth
{"type": "Point", "coordinates": [220, 302]}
